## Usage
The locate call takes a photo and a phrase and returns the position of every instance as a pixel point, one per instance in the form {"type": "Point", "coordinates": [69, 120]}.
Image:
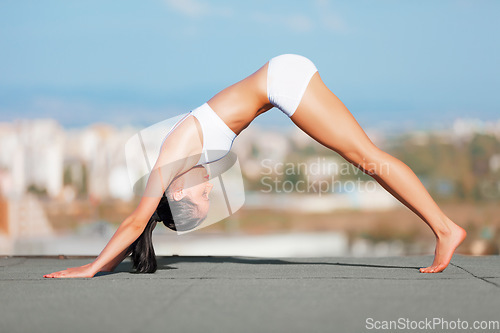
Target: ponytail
{"type": "Point", "coordinates": [143, 253]}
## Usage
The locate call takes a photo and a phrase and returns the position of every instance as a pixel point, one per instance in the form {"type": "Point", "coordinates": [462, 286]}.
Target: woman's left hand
{"type": "Point", "coordinates": [85, 271]}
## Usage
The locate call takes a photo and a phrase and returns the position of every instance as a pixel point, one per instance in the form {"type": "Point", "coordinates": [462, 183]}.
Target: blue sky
{"type": "Point", "coordinates": [139, 62]}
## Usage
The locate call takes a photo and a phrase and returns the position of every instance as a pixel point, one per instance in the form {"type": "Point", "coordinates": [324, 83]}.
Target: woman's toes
{"type": "Point", "coordinates": [439, 268]}
{"type": "Point", "coordinates": [429, 269]}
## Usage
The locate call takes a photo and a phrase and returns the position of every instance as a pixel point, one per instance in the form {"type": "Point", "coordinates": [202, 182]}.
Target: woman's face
{"type": "Point", "coordinates": [197, 187]}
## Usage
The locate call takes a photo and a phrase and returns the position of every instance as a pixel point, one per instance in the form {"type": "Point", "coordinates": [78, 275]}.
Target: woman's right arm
{"type": "Point", "coordinates": [178, 154]}
{"type": "Point", "coordinates": [110, 267]}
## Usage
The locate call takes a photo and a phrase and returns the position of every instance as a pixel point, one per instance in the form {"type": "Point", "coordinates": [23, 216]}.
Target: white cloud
{"type": "Point", "coordinates": [191, 8]}
{"type": "Point", "coordinates": [298, 22]}
{"type": "Point", "coordinates": [334, 23]}
{"type": "Point", "coordinates": [328, 18]}
{"type": "Point", "coordinates": [325, 18]}
{"type": "Point", "coordinates": [197, 9]}
{"type": "Point", "coordinates": [295, 22]}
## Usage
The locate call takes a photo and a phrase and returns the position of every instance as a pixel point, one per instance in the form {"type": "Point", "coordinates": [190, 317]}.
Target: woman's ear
{"type": "Point", "coordinates": [178, 194]}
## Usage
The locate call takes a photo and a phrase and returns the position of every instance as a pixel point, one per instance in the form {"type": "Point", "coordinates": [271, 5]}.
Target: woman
{"type": "Point", "coordinates": [292, 84]}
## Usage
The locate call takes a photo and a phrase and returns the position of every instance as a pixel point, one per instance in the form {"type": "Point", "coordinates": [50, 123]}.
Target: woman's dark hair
{"type": "Point", "coordinates": [186, 218]}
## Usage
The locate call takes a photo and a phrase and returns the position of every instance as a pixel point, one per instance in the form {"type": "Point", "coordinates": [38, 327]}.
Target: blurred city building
{"type": "Point", "coordinates": [54, 179]}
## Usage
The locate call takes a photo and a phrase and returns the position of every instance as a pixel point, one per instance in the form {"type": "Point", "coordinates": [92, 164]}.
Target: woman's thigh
{"type": "Point", "coordinates": [326, 119]}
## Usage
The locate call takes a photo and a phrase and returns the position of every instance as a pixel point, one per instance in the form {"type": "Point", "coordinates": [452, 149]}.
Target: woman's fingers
{"type": "Point", "coordinates": [75, 272]}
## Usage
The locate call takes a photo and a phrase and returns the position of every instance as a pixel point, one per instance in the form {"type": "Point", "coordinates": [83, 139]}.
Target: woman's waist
{"type": "Point", "coordinates": [238, 108]}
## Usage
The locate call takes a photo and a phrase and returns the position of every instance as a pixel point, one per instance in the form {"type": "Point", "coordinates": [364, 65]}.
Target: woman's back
{"type": "Point", "coordinates": [238, 104]}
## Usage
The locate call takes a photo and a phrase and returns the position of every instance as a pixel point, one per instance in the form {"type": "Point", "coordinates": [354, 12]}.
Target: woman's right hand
{"type": "Point", "coordinates": [85, 271]}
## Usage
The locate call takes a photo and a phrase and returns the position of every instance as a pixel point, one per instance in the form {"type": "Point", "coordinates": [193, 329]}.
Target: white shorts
{"type": "Point", "coordinates": [287, 78]}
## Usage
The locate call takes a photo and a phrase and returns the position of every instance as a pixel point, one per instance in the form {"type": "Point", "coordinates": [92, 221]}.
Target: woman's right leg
{"type": "Point", "coordinates": [326, 119]}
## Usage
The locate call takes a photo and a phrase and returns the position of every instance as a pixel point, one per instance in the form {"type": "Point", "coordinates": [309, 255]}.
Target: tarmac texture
{"type": "Point", "coordinates": [241, 294]}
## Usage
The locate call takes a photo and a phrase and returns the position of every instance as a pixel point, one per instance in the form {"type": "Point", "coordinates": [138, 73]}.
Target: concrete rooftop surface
{"type": "Point", "coordinates": [243, 294]}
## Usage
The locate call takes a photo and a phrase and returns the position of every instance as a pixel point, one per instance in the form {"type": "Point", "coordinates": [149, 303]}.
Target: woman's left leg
{"type": "Point", "coordinates": [326, 119]}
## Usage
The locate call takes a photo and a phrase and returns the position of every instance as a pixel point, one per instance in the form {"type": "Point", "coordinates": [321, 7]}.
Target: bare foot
{"type": "Point", "coordinates": [445, 246]}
